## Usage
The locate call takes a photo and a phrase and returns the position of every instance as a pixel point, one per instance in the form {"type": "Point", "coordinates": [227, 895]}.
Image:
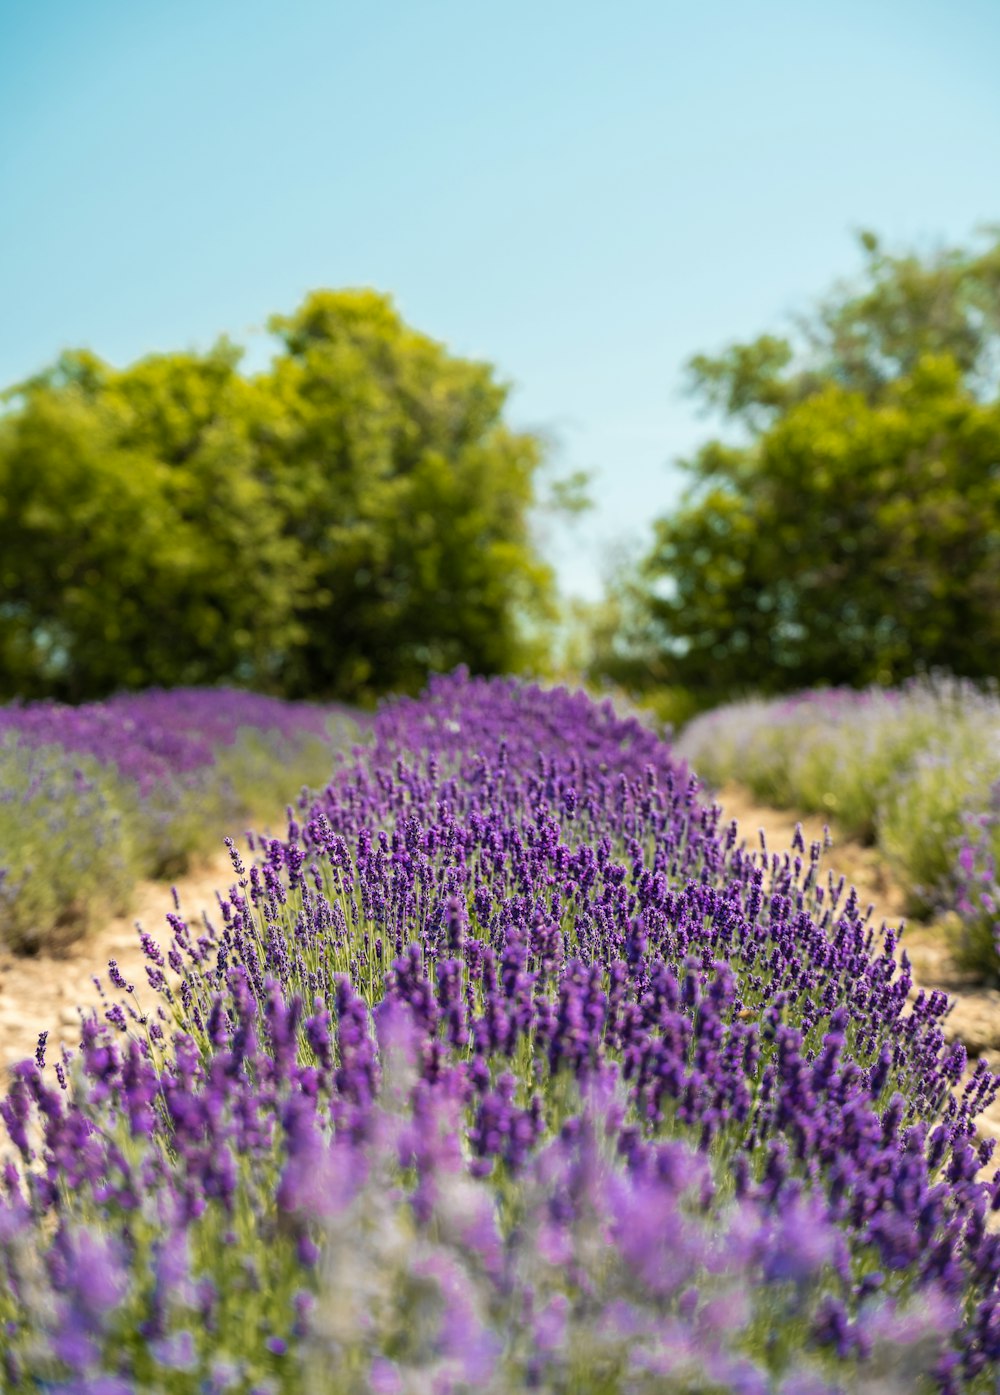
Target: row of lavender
{"type": "Point", "coordinates": [915, 770]}
{"type": "Point", "coordinates": [92, 798]}
{"type": "Point", "coordinates": [507, 1069]}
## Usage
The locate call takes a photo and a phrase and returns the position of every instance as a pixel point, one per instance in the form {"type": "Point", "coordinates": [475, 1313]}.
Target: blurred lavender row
{"type": "Point", "coordinates": [914, 769]}
{"type": "Point", "coordinates": [94, 797]}
{"type": "Point", "coordinates": [507, 1068]}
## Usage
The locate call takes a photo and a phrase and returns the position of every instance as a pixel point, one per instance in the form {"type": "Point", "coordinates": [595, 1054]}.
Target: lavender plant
{"type": "Point", "coordinates": [68, 853]}
{"type": "Point", "coordinates": [978, 886]}
{"type": "Point", "coordinates": [508, 1067]}
{"type": "Point", "coordinates": [906, 768]}
{"type": "Point", "coordinates": [94, 797]}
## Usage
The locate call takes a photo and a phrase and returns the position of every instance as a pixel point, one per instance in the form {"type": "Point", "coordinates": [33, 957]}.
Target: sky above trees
{"type": "Point", "coordinates": [583, 194]}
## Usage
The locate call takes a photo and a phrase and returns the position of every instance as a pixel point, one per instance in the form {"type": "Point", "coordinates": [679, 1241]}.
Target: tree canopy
{"type": "Point", "coordinates": [338, 525]}
{"type": "Point", "coordinates": [851, 532]}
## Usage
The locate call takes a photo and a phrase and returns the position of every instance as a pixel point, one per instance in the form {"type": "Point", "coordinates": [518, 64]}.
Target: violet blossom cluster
{"type": "Point", "coordinates": [152, 738]}
{"type": "Point", "coordinates": [509, 1067]}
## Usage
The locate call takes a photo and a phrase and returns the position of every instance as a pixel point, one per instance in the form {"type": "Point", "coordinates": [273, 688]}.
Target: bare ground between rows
{"type": "Point", "coordinates": [47, 992]}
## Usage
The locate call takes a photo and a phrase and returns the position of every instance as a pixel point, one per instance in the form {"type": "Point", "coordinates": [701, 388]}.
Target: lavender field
{"type": "Point", "coordinates": [507, 1068]}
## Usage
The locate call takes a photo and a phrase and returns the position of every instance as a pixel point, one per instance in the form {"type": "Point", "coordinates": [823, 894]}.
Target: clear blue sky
{"type": "Point", "coordinates": [584, 194]}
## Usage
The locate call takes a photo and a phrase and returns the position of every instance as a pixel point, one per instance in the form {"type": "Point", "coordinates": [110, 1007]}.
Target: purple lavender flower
{"type": "Point", "coordinates": [509, 1035]}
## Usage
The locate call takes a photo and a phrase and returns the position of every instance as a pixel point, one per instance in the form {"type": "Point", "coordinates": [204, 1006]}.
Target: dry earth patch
{"type": "Point", "coordinates": [46, 992]}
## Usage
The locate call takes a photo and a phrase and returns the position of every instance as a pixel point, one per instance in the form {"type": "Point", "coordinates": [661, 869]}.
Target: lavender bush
{"type": "Point", "coordinates": [68, 852]}
{"type": "Point", "coordinates": [911, 769]}
{"type": "Point", "coordinates": [94, 797]}
{"type": "Point", "coordinates": [978, 886]}
{"type": "Point", "coordinates": [507, 1068]}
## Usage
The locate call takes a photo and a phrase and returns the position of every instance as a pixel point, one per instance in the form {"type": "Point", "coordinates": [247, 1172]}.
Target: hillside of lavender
{"type": "Point", "coordinates": [508, 1067]}
{"type": "Point", "coordinates": [914, 770]}
{"type": "Point", "coordinates": [94, 797]}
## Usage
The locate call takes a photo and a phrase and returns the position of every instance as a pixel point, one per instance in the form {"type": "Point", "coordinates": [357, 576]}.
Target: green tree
{"type": "Point", "coordinates": [137, 543]}
{"type": "Point", "coordinates": [338, 525]}
{"type": "Point", "coordinates": [853, 534]}
{"type": "Point", "coordinates": [409, 495]}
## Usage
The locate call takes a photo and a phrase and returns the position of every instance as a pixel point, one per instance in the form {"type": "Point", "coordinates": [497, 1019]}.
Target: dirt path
{"type": "Point", "coordinates": [45, 993]}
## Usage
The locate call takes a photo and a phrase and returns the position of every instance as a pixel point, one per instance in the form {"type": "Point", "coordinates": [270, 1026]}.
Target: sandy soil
{"type": "Point", "coordinates": [46, 993]}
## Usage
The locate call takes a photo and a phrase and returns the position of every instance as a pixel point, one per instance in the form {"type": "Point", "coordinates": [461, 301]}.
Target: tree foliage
{"type": "Point", "coordinates": [853, 534]}
{"type": "Point", "coordinates": [337, 525]}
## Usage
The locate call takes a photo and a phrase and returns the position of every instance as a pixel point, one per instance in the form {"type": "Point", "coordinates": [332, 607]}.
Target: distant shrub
{"type": "Point", "coordinates": [69, 852]}
{"type": "Point", "coordinates": [94, 797]}
{"type": "Point", "coordinates": [906, 768]}
{"type": "Point", "coordinates": [978, 887]}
